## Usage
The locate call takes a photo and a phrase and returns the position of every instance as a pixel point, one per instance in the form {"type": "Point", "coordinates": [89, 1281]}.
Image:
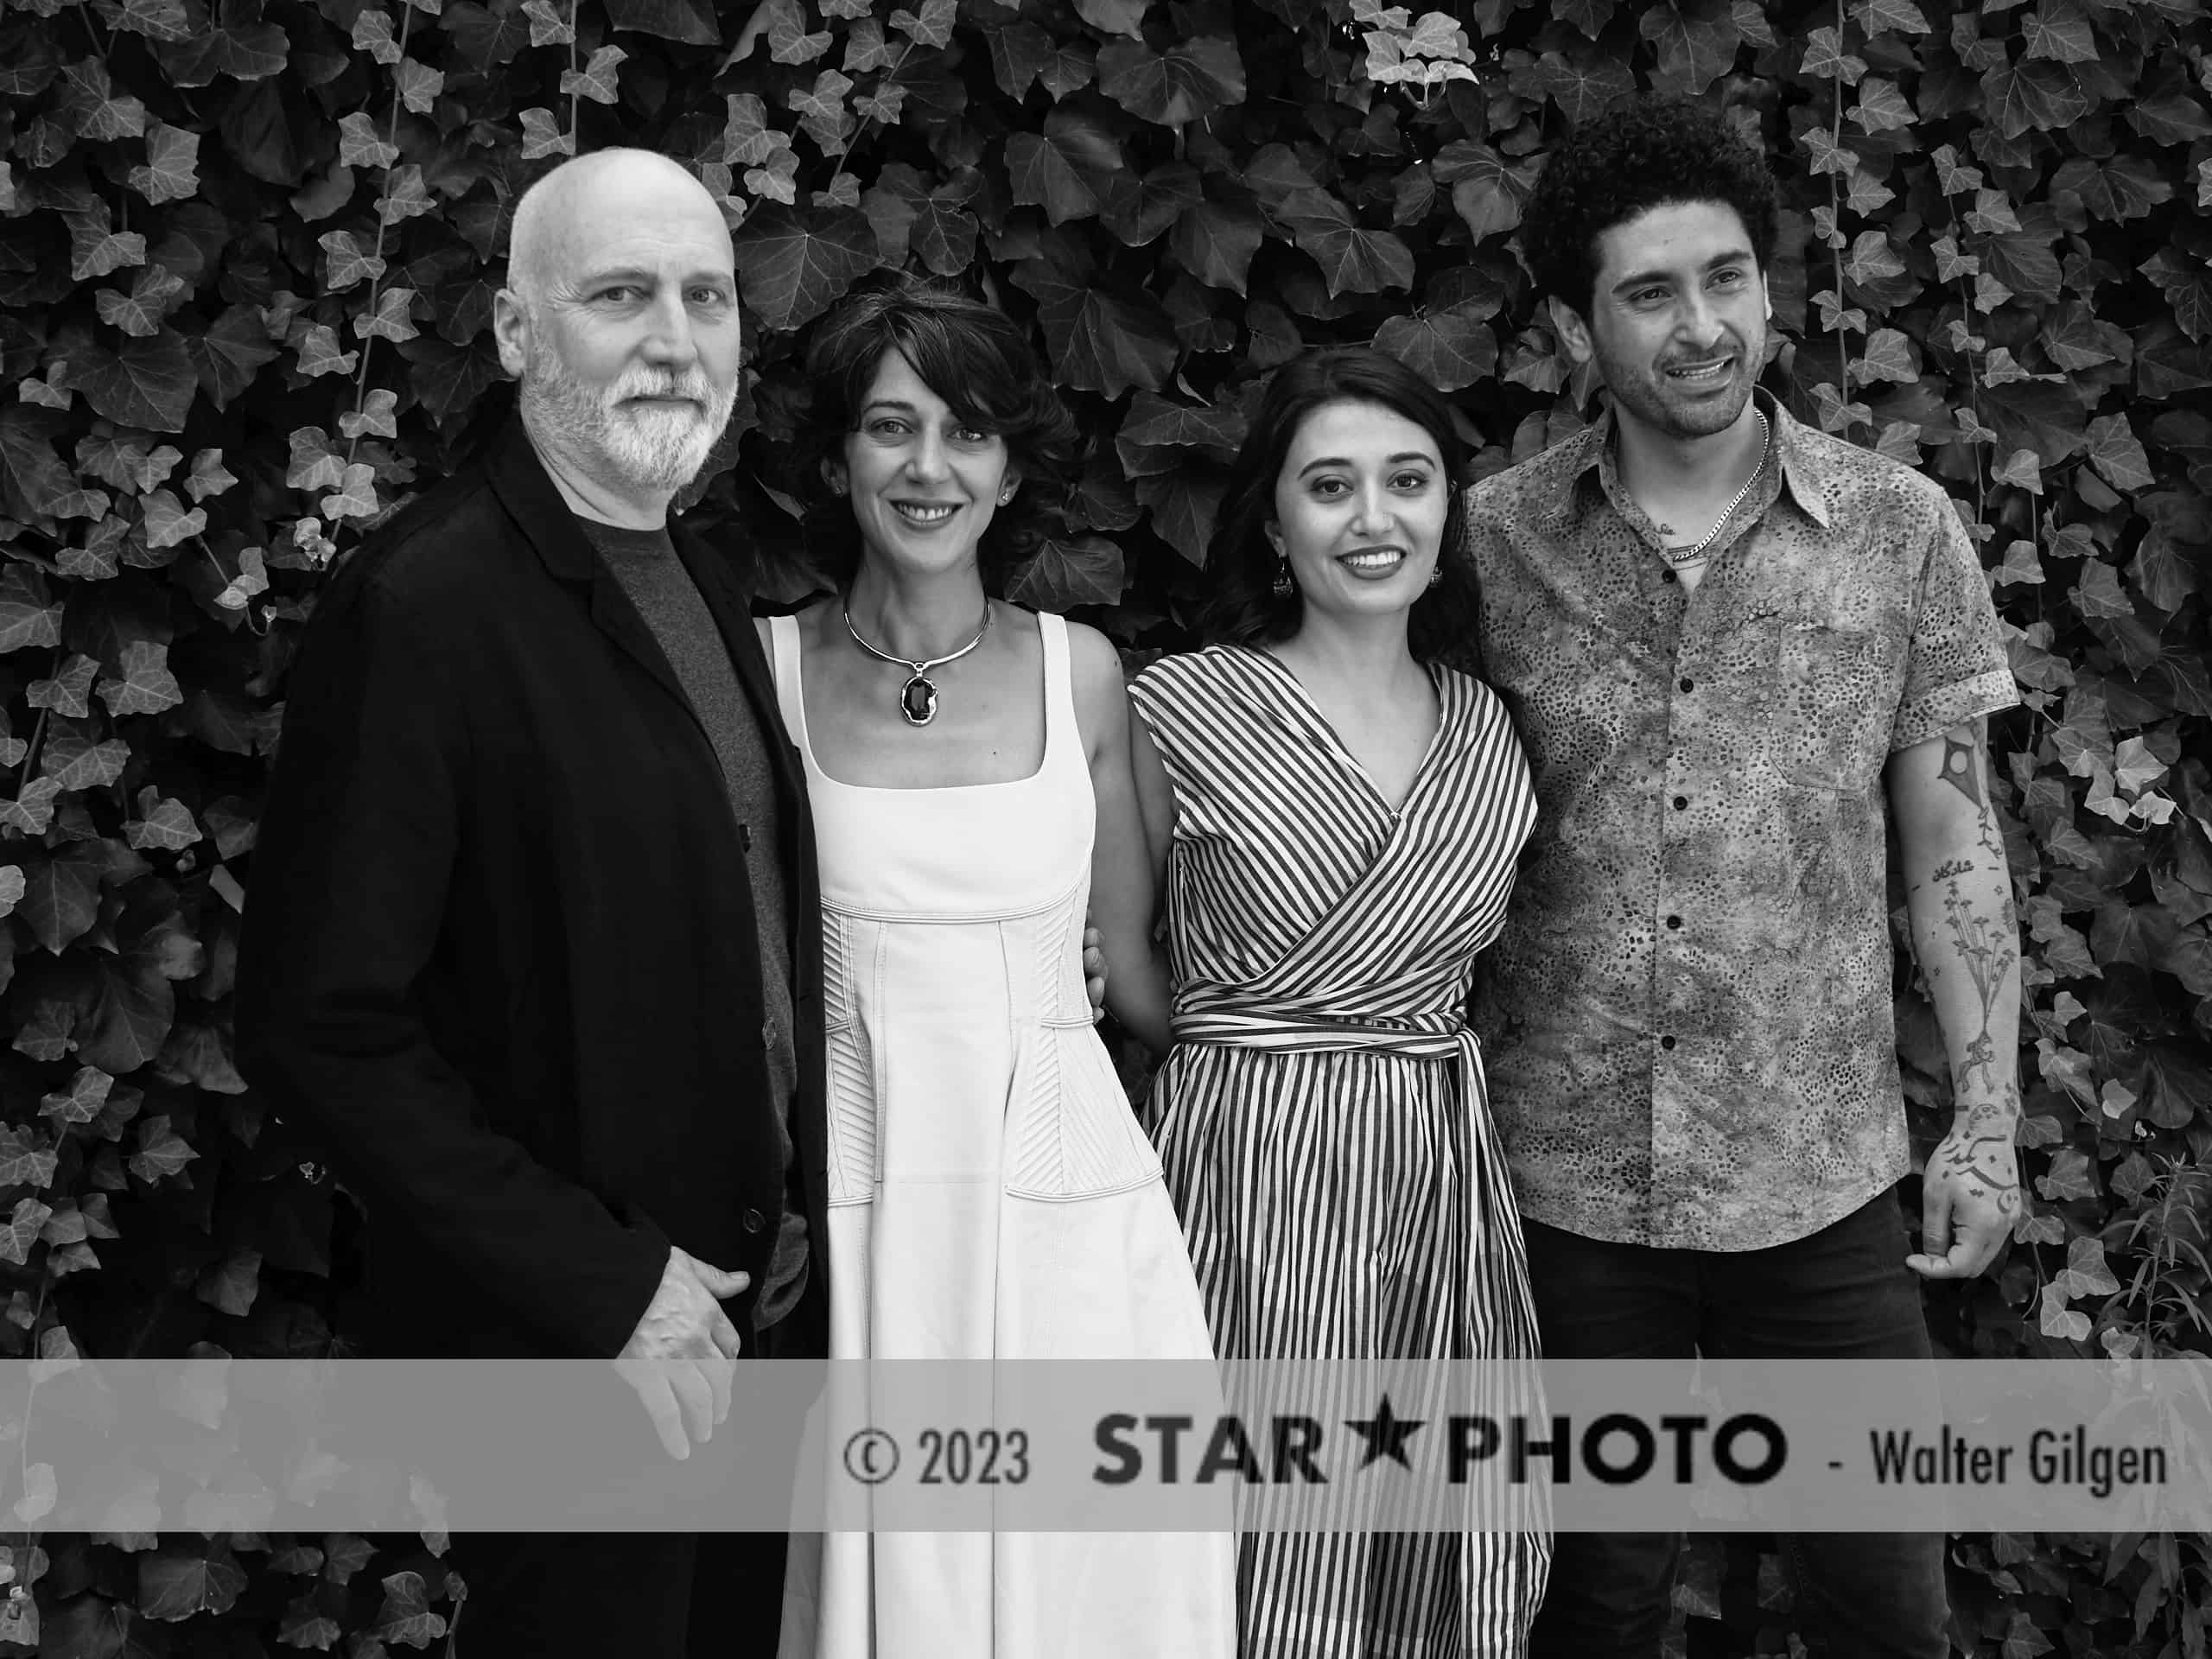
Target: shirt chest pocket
{"type": "Point", "coordinates": [1825, 680]}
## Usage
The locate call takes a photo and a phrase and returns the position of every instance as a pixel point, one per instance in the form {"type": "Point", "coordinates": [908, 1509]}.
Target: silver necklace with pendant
{"type": "Point", "coordinates": [918, 698]}
{"type": "Point", "coordinates": [1680, 556]}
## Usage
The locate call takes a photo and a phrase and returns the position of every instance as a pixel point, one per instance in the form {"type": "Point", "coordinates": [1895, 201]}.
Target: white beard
{"type": "Point", "coordinates": [659, 449]}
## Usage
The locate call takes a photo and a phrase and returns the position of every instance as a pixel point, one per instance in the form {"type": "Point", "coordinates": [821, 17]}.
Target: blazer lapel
{"type": "Point", "coordinates": [550, 526]}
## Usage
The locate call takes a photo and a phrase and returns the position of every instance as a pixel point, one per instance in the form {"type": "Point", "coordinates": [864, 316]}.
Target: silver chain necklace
{"type": "Point", "coordinates": [917, 697]}
{"type": "Point", "coordinates": [1679, 557]}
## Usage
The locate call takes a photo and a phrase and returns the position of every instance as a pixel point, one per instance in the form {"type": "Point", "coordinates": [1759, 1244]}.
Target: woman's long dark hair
{"type": "Point", "coordinates": [973, 356]}
{"type": "Point", "coordinates": [1243, 607]}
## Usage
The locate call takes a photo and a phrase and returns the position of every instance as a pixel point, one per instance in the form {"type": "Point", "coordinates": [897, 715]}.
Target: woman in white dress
{"type": "Point", "coordinates": [991, 1195]}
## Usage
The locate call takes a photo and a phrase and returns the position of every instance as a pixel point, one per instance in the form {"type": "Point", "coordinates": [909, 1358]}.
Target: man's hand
{"type": "Point", "coordinates": [1094, 972]}
{"type": "Point", "coordinates": [680, 1358]}
{"type": "Point", "coordinates": [1969, 1197]}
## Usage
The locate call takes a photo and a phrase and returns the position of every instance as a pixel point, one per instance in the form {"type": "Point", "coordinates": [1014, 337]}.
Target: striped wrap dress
{"type": "Point", "coordinates": [1321, 1119]}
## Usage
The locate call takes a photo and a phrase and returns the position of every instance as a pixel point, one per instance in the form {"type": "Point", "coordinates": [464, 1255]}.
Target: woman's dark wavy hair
{"type": "Point", "coordinates": [1652, 152]}
{"type": "Point", "coordinates": [1242, 607]}
{"type": "Point", "coordinates": [972, 355]}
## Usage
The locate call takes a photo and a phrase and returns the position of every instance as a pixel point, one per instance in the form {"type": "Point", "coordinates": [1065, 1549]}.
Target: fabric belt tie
{"type": "Point", "coordinates": [1438, 1037]}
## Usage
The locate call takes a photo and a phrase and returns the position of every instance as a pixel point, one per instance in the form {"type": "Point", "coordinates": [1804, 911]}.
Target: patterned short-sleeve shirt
{"type": "Point", "coordinates": [1687, 1017]}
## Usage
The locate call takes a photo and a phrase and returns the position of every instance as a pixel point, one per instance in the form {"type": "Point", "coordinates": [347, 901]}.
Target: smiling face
{"type": "Point", "coordinates": [1360, 506]}
{"type": "Point", "coordinates": [623, 327]}
{"type": "Point", "coordinates": [1677, 323]}
{"type": "Point", "coordinates": [924, 482]}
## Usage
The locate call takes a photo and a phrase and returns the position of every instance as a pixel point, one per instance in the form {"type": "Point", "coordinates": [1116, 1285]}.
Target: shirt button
{"type": "Point", "coordinates": [1681, 802]}
{"type": "Point", "coordinates": [1673, 921]}
{"type": "Point", "coordinates": [754, 1221]}
{"type": "Point", "coordinates": [1666, 1042]}
{"type": "Point", "coordinates": [1688, 684]}
{"type": "Point", "coordinates": [1667, 575]}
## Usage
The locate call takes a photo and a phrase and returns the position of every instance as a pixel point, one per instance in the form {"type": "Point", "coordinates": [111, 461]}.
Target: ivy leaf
{"type": "Point", "coordinates": [171, 172]}
{"type": "Point", "coordinates": [149, 383]}
{"type": "Point", "coordinates": [1215, 243]}
{"type": "Point", "coordinates": [139, 313]}
{"type": "Point", "coordinates": [543, 135]}
{"type": "Point", "coordinates": [1043, 172]}
{"type": "Point", "coordinates": [691, 22]}
{"type": "Point", "coordinates": [1882, 107]}
{"type": "Point", "coordinates": [547, 26]}
{"type": "Point", "coordinates": [319, 353]}
{"type": "Point", "coordinates": [1191, 80]}
{"type": "Point", "coordinates": [233, 1285]}
{"type": "Point", "coordinates": [356, 495]}
{"type": "Point", "coordinates": [80, 1103]}
{"type": "Point", "coordinates": [1025, 54]}
{"type": "Point", "coordinates": [161, 1151]}
{"type": "Point", "coordinates": [1826, 60]}
{"type": "Point", "coordinates": [176, 1583]}
{"type": "Point", "coordinates": [1353, 260]}
{"type": "Point", "coordinates": [747, 139]}
{"type": "Point", "coordinates": [250, 52]}
{"type": "Point", "coordinates": [78, 759]}
{"type": "Point", "coordinates": [29, 468]}
{"type": "Point", "coordinates": [1100, 341]}
{"type": "Point", "coordinates": [347, 263]}
{"type": "Point", "coordinates": [23, 1161]}
{"type": "Point", "coordinates": [145, 685]}
{"type": "Point", "coordinates": [788, 40]}
{"type": "Point", "coordinates": [2187, 288]}
{"type": "Point", "coordinates": [596, 79]}
{"type": "Point", "coordinates": [1138, 211]}
{"type": "Point", "coordinates": [485, 38]}
{"type": "Point", "coordinates": [1872, 259]}
{"type": "Point", "coordinates": [448, 379]}
{"type": "Point", "coordinates": [64, 693]}
{"type": "Point", "coordinates": [226, 358]}
{"type": "Point", "coordinates": [2034, 415]}
{"type": "Point", "coordinates": [1065, 573]}
{"type": "Point", "coordinates": [792, 264]}
{"type": "Point", "coordinates": [378, 416]}
{"type": "Point", "coordinates": [60, 899]}
{"type": "Point", "coordinates": [94, 109]}
{"type": "Point", "coordinates": [2117, 454]}
{"type": "Point", "coordinates": [372, 34]}
{"type": "Point", "coordinates": [16, 1238]}
{"type": "Point", "coordinates": [168, 522]}
{"type": "Point", "coordinates": [1449, 349]}
{"type": "Point", "coordinates": [419, 86]}
{"type": "Point", "coordinates": [2032, 97]}
{"type": "Point", "coordinates": [359, 145]}
{"type": "Point", "coordinates": [1157, 434]}
{"type": "Point", "coordinates": [96, 248]}
{"type": "Point", "coordinates": [405, 1616]}
{"type": "Point", "coordinates": [1115, 16]}
{"type": "Point", "coordinates": [1693, 51]}
{"type": "Point", "coordinates": [932, 28]}
{"type": "Point", "coordinates": [1584, 88]}
{"type": "Point", "coordinates": [390, 322]}
{"type": "Point", "coordinates": [28, 616]}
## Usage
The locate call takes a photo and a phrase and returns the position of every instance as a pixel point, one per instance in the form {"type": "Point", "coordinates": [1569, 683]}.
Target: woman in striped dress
{"type": "Point", "coordinates": [1339, 814]}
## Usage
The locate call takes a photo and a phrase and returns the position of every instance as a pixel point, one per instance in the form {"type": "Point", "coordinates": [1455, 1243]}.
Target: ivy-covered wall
{"type": "Point", "coordinates": [247, 252]}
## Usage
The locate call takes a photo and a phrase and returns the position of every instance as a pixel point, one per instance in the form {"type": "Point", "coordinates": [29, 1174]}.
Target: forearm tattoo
{"type": "Point", "coordinates": [1984, 934]}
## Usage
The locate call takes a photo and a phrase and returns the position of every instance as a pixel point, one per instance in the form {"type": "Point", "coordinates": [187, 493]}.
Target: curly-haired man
{"type": "Point", "coordinates": [1739, 649]}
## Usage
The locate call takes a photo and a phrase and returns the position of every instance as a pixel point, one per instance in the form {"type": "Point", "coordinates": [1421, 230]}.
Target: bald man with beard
{"type": "Point", "coordinates": [534, 942]}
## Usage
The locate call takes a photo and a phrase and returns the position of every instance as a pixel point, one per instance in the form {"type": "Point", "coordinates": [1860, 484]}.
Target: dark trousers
{"type": "Point", "coordinates": [1844, 1293]}
{"type": "Point", "coordinates": [641, 1595]}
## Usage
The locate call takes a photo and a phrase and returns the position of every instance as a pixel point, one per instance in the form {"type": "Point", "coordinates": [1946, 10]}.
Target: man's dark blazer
{"type": "Point", "coordinates": [500, 952]}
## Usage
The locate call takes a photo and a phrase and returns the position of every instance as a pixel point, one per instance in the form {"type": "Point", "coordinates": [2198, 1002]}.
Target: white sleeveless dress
{"type": "Point", "coordinates": [991, 1194]}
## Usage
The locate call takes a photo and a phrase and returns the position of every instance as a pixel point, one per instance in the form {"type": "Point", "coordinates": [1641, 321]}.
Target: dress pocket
{"type": "Point", "coordinates": [1069, 1131]}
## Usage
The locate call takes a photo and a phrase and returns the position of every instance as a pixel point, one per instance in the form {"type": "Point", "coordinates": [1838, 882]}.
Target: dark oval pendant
{"type": "Point", "coordinates": [918, 700]}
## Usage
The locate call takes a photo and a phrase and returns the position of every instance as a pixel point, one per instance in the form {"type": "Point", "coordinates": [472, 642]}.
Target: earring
{"type": "Point", "coordinates": [1436, 576]}
{"type": "Point", "coordinates": [837, 487]}
{"type": "Point", "coordinates": [1284, 587]}
{"type": "Point", "coordinates": [1005, 496]}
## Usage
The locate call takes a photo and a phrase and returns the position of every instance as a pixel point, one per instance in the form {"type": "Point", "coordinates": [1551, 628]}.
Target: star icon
{"type": "Point", "coordinates": [1385, 1432]}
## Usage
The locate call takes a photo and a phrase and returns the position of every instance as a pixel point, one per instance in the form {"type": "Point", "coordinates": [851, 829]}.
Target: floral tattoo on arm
{"type": "Point", "coordinates": [1985, 940]}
